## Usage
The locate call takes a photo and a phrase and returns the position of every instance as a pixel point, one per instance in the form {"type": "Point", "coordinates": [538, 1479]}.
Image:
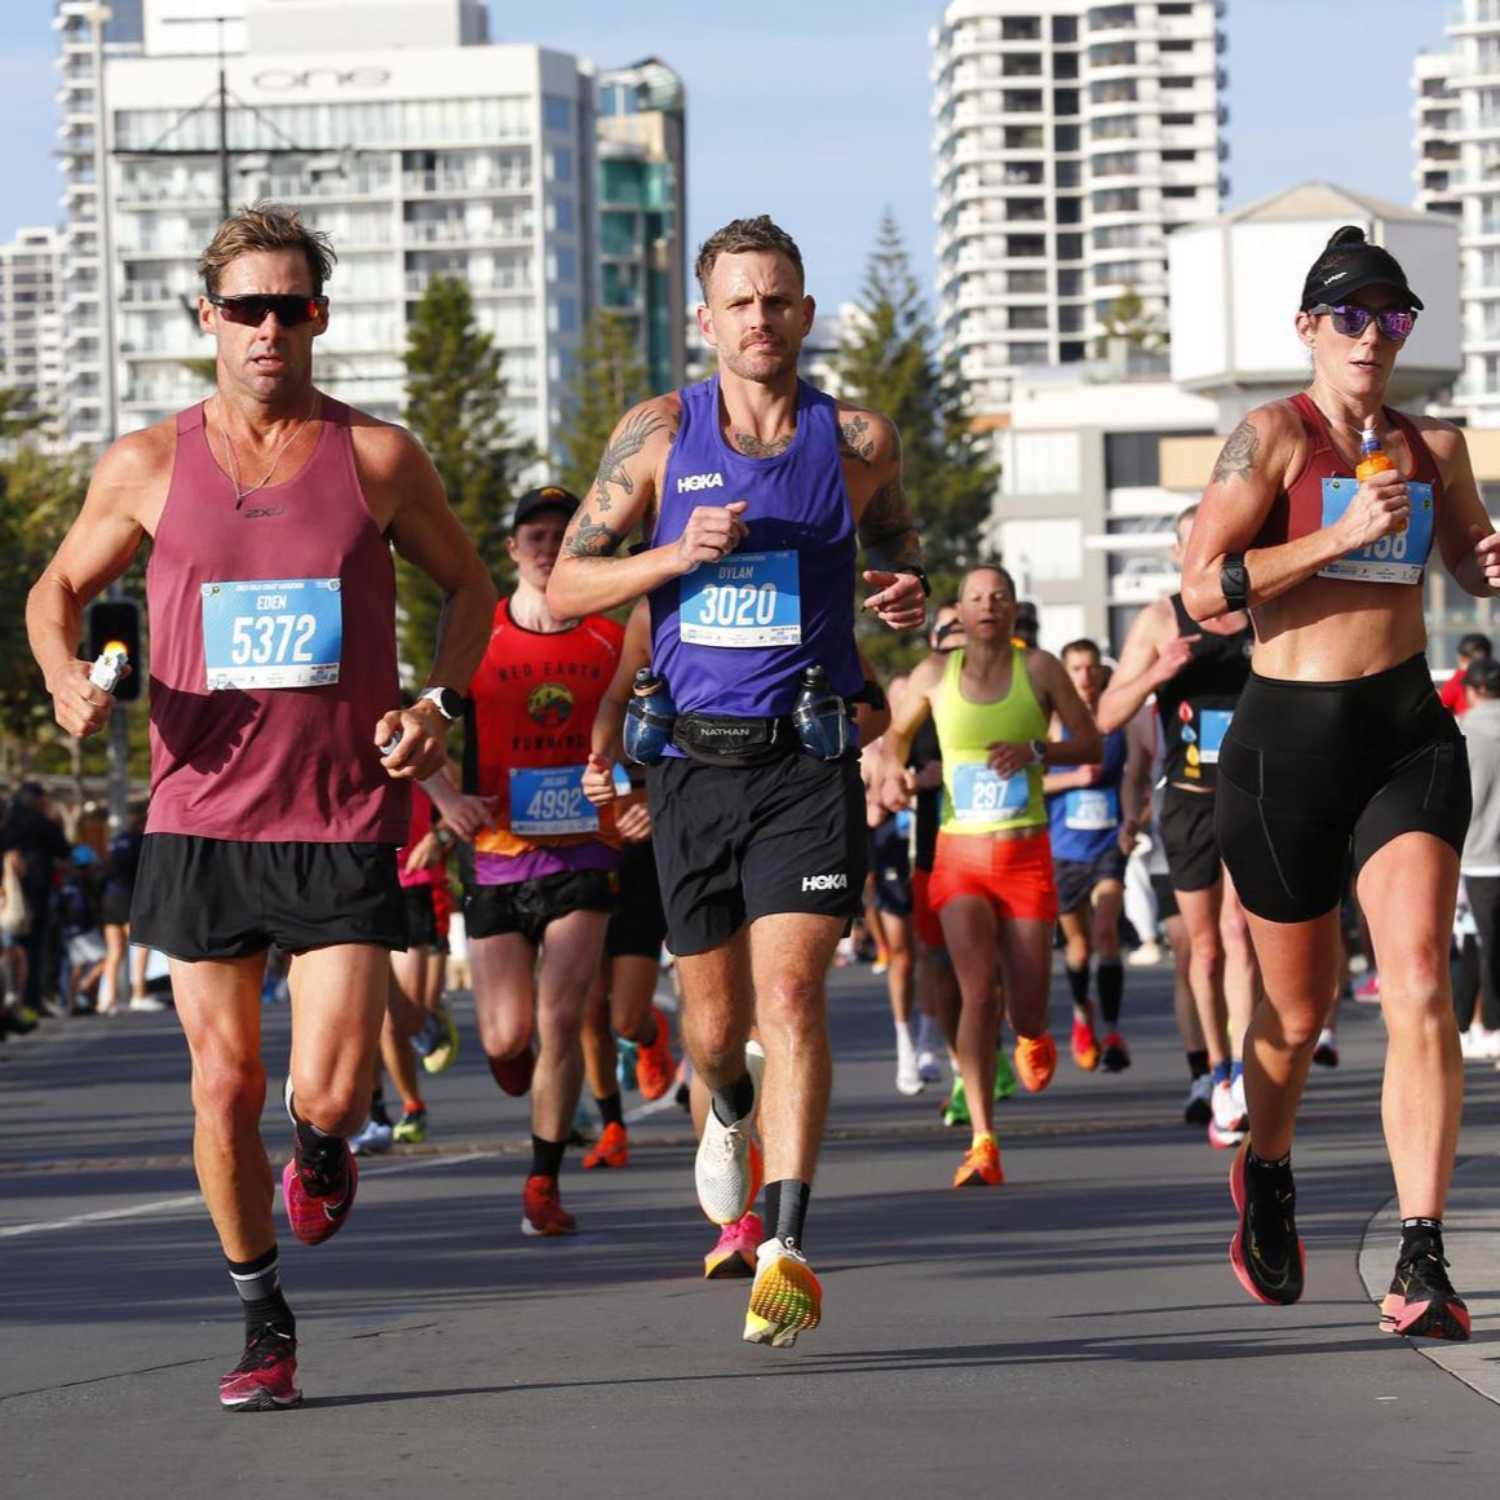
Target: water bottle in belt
{"type": "Point", "coordinates": [820, 716]}
{"type": "Point", "coordinates": [649, 718]}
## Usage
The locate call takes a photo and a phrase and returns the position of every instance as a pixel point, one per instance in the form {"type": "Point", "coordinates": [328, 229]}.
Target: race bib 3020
{"type": "Point", "coordinates": [745, 599]}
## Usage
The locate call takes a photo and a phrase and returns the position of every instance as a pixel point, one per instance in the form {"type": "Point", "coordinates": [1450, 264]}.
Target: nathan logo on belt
{"type": "Point", "coordinates": [689, 482]}
{"type": "Point", "coordinates": [272, 633]}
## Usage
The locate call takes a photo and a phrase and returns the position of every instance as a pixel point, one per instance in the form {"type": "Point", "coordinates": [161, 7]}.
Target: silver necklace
{"type": "Point", "coordinates": [234, 468]}
{"type": "Point", "coordinates": [1348, 426]}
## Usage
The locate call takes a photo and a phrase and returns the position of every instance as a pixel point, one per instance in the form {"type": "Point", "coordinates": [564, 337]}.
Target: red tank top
{"type": "Point", "coordinates": [535, 697]}
{"type": "Point", "coordinates": [265, 763]}
{"type": "Point", "coordinates": [1299, 511]}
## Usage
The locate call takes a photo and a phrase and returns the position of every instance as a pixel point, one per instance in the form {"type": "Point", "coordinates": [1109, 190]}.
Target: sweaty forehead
{"type": "Point", "coordinates": [267, 271]}
{"type": "Point", "coordinates": [760, 273]}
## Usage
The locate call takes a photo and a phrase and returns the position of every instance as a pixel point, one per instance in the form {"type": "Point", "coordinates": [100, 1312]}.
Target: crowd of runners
{"type": "Point", "coordinates": [666, 740]}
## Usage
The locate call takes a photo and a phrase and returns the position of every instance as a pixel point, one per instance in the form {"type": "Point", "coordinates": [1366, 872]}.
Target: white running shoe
{"type": "Point", "coordinates": [1486, 1043]}
{"type": "Point", "coordinates": [908, 1074]}
{"type": "Point", "coordinates": [1237, 1093]}
{"type": "Point", "coordinates": [1227, 1128]}
{"type": "Point", "coordinates": [147, 1002]}
{"type": "Point", "coordinates": [929, 1067]}
{"type": "Point", "coordinates": [1198, 1107]}
{"type": "Point", "coordinates": [1145, 956]}
{"type": "Point", "coordinates": [723, 1172]}
{"type": "Point", "coordinates": [373, 1138]}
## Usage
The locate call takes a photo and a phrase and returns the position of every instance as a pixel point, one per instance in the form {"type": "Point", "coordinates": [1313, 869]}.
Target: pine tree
{"type": "Point", "coordinates": [609, 378]}
{"type": "Point", "coordinates": [455, 394]}
{"type": "Point", "coordinates": [887, 361]}
{"type": "Point", "coordinates": [1128, 319]}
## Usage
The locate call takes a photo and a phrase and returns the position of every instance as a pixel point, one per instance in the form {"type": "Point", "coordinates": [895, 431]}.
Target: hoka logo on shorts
{"type": "Point", "coordinates": [825, 882]}
{"type": "Point", "coordinates": [689, 482]}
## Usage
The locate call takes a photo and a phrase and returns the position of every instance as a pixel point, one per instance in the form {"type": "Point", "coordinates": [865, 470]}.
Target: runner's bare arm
{"type": "Point", "coordinates": [913, 710]}
{"type": "Point", "coordinates": [883, 519]}
{"type": "Point", "coordinates": [1140, 672]}
{"type": "Point", "coordinates": [1254, 466]}
{"type": "Point", "coordinates": [128, 482]}
{"type": "Point", "coordinates": [1084, 746]}
{"type": "Point", "coordinates": [1466, 536]}
{"type": "Point", "coordinates": [606, 738]}
{"type": "Point", "coordinates": [588, 576]}
{"type": "Point", "coordinates": [1135, 779]}
{"type": "Point", "coordinates": [871, 722]}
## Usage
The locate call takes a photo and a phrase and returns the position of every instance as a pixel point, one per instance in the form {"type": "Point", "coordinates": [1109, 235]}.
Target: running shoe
{"type": "Point", "coordinates": [625, 1052]}
{"type": "Point", "coordinates": [1005, 1077]}
{"type": "Point", "coordinates": [1147, 954]}
{"type": "Point", "coordinates": [1226, 1126]}
{"type": "Point", "coordinates": [1268, 1259]}
{"type": "Point", "coordinates": [147, 1003]}
{"type": "Point", "coordinates": [1199, 1109]}
{"type": "Point", "coordinates": [317, 1208]}
{"type": "Point", "coordinates": [734, 1255]}
{"type": "Point", "coordinates": [655, 1067]}
{"type": "Point", "coordinates": [1237, 1093]}
{"type": "Point", "coordinates": [542, 1213]}
{"type": "Point", "coordinates": [612, 1149]}
{"type": "Point", "coordinates": [981, 1167]}
{"type": "Point", "coordinates": [956, 1110]}
{"type": "Point", "coordinates": [1421, 1302]}
{"type": "Point", "coordinates": [786, 1299]}
{"type": "Point", "coordinates": [929, 1068]}
{"type": "Point", "coordinates": [1085, 1041]}
{"type": "Point", "coordinates": [1116, 1054]}
{"type": "Point", "coordinates": [411, 1128]}
{"type": "Point", "coordinates": [372, 1138]}
{"type": "Point", "coordinates": [443, 1043]}
{"type": "Point", "coordinates": [908, 1075]}
{"type": "Point", "coordinates": [724, 1171]}
{"type": "Point", "coordinates": [513, 1074]}
{"type": "Point", "coordinates": [266, 1376]}
{"type": "Point", "coordinates": [1367, 991]}
{"type": "Point", "coordinates": [1036, 1061]}
{"type": "Point", "coordinates": [1326, 1053]}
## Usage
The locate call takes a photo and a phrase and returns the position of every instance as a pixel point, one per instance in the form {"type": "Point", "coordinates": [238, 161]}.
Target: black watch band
{"type": "Point", "coordinates": [1234, 581]}
{"type": "Point", "coordinates": [448, 701]}
{"type": "Point", "coordinates": [920, 576]}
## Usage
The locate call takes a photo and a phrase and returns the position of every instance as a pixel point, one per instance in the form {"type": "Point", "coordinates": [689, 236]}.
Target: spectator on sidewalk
{"type": "Point", "coordinates": [31, 829]}
{"type": "Point", "coordinates": [1471, 648]}
{"type": "Point", "coordinates": [1480, 864]}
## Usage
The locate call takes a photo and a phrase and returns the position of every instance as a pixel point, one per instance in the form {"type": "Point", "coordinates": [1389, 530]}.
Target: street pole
{"type": "Point", "coordinates": [223, 128]}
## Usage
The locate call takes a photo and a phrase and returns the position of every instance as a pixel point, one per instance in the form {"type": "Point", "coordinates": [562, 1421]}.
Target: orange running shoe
{"type": "Point", "coordinates": [1036, 1061]}
{"type": "Point", "coordinates": [612, 1149]}
{"type": "Point", "coordinates": [654, 1066]}
{"type": "Point", "coordinates": [1085, 1042]}
{"type": "Point", "coordinates": [734, 1255]}
{"type": "Point", "coordinates": [542, 1210]}
{"type": "Point", "coordinates": [786, 1299]}
{"type": "Point", "coordinates": [981, 1167]}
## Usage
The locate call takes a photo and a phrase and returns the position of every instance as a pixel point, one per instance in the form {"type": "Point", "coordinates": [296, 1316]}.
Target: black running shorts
{"type": "Point", "coordinates": [734, 843]}
{"type": "Point", "coordinates": [527, 907]}
{"type": "Point", "coordinates": [421, 916]}
{"type": "Point", "coordinates": [1186, 823]}
{"type": "Point", "coordinates": [1166, 897]}
{"type": "Point", "coordinates": [198, 899]}
{"type": "Point", "coordinates": [1312, 770]}
{"type": "Point", "coordinates": [1076, 878]}
{"type": "Point", "coordinates": [638, 927]}
{"type": "Point", "coordinates": [890, 860]}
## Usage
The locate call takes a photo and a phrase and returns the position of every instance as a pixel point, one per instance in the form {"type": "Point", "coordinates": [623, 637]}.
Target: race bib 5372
{"type": "Point", "coordinates": [272, 632]}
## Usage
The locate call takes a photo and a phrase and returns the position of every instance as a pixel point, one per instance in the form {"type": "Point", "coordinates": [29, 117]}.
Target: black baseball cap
{"type": "Point", "coordinates": [1483, 676]}
{"type": "Point", "coordinates": [1348, 265]}
{"type": "Point", "coordinates": [537, 502]}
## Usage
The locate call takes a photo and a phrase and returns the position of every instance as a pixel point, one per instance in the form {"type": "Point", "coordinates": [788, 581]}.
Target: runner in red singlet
{"type": "Point", "coordinates": [274, 815]}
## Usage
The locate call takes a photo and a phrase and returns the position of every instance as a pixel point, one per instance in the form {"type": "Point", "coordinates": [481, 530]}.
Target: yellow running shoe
{"type": "Point", "coordinates": [786, 1299]}
{"type": "Point", "coordinates": [444, 1043]}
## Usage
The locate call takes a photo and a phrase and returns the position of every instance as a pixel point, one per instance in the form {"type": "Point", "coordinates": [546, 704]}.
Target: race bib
{"type": "Point", "coordinates": [745, 599]}
{"type": "Point", "coordinates": [1213, 725]}
{"type": "Point", "coordinates": [272, 633]}
{"type": "Point", "coordinates": [1092, 809]}
{"type": "Point", "coordinates": [981, 795]}
{"type": "Point", "coordinates": [1397, 558]}
{"type": "Point", "coordinates": [550, 801]}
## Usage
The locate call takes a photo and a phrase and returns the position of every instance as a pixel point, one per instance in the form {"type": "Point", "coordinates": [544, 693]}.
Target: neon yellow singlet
{"type": "Point", "coordinates": [975, 799]}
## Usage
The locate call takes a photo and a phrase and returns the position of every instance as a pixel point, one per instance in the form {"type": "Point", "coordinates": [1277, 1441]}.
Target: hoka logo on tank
{"type": "Point", "coordinates": [550, 705]}
{"type": "Point", "coordinates": [700, 482]}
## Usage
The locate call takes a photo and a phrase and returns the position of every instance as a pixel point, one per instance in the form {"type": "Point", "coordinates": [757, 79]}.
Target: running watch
{"type": "Point", "coordinates": [1039, 749]}
{"type": "Point", "coordinates": [448, 702]}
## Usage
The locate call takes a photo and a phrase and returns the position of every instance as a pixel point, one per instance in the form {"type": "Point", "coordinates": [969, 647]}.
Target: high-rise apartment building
{"type": "Point", "coordinates": [1071, 139]}
{"type": "Point", "coordinates": [31, 356]}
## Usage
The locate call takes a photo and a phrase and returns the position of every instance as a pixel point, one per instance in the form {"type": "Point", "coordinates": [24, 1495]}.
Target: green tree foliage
{"type": "Point", "coordinates": [455, 393]}
{"type": "Point", "coordinates": [609, 378]}
{"type": "Point", "coordinates": [1128, 319]}
{"type": "Point", "coordinates": [888, 362]}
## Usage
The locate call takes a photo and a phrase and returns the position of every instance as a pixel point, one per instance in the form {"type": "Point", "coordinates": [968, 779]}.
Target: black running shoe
{"type": "Point", "coordinates": [1265, 1252]}
{"type": "Point", "coordinates": [1421, 1302]}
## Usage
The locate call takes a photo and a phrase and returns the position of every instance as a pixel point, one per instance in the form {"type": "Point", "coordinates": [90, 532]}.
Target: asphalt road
{"type": "Point", "coordinates": [1076, 1331]}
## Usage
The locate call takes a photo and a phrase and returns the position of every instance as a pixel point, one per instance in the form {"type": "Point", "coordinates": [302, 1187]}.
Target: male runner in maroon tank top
{"type": "Point", "coordinates": [274, 817]}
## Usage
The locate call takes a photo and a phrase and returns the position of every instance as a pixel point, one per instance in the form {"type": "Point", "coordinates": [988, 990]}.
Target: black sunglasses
{"type": "Point", "coordinates": [250, 310]}
{"type": "Point", "coordinates": [1351, 320]}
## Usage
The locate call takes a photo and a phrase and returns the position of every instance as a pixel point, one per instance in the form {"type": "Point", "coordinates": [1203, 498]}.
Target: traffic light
{"type": "Point", "coordinates": [118, 621]}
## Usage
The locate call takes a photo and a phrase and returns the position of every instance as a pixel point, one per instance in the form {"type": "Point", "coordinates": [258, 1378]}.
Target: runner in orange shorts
{"type": "Point", "coordinates": [992, 702]}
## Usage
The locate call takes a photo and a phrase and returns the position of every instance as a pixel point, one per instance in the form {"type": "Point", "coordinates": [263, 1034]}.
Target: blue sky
{"type": "Point", "coordinates": [816, 111]}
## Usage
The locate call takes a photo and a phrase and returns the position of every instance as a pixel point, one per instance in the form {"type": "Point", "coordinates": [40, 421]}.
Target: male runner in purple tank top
{"type": "Point", "coordinates": [761, 848]}
{"type": "Point", "coordinates": [274, 817]}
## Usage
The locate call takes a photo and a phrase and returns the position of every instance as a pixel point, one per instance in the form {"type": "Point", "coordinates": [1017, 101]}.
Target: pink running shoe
{"type": "Point", "coordinates": [734, 1255]}
{"type": "Point", "coordinates": [266, 1376]}
{"type": "Point", "coordinates": [1367, 991]}
{"type": "Point", "coordinates": [315, 1217]}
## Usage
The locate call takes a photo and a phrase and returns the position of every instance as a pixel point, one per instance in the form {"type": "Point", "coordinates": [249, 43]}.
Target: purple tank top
{"type": "Point", "coordinates": [233, 757]}
{"type": "Point", "coordinates": [733, 637]}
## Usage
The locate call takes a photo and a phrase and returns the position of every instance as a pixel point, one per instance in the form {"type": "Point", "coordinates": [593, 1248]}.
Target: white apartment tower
{"type": "Point", "coordinates": [1071, 139]}
{"type": "Point", "coordinates": [31, 360]}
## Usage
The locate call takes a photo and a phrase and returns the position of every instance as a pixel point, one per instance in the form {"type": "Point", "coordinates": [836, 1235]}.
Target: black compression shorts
{"type": "Point", "coordinates": [527, 907]}
{"type": "Point", "coordinates": [421, 916]}
{"type": "Point", "coordinates": [199, 898]}
{"type": "Point", "coordinates": [1186, 824]}
{"type": "Point", "coordinates": [734, 843]}
{"type": "Point", "coordinates": [1312, 770]}
{"type": "Point", "coordinates": [638, 927]}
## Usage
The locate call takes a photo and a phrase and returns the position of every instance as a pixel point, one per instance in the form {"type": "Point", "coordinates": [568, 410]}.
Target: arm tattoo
{"type": "Point", "coordinates": [854, 441]}
{"type": "Point", "coordinates": [752, 447]}
{"type": "Point", "coordinates": [1238, 456]}
{"type": "Point", "coordinates": [633, 434]}
{"type": "Point", "coordinates": [590, 538]}
{"type": "Point", "coordinates": [886, 528]}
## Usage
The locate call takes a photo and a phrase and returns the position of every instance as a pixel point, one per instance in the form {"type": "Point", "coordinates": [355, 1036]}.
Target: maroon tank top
{"type": "Point", "coordinates": [272, 763]}
{"type": "Point", "coordinates": [1299, 511]}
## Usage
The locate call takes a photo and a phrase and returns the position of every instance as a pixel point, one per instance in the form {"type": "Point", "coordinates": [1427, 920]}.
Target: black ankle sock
{"type": "Point", "coordinates": [258, 1283]}
{"type": "Point", "coordinates": [786, 1209]}
{"type": "Point", "coordinates": [377, 1107]}
{"type": "Point", "coordinates": [319, 1155]}
{"type": "Point", "coordinates": [1078, 982]}
{"type": "Point", "coordinates": [1421, 1235]}
{"type": "Point", "coordinates": [1260, 1164]}
{"type": "Point", "coordinates": [1197, 1063]}
{"type": "Point", "coordinates": [611, 1111]}
{"type": "Point", "coordinates": [1111, 990]}
{"type": "Point", "coordinates": [546, 1157]}
{"type": "Point", "coordinates": [735, 1103]}
{"type": "Point", "coordinates": [646, 1032]}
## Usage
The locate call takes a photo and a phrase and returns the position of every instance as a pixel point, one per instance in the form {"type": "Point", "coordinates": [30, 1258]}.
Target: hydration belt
{"type": "Point", "coordinates": [721, 740]}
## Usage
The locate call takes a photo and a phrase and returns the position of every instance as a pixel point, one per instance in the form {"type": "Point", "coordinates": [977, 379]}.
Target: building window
{"type": "Point", "coordinates": [1065, 138]}
{"type": "Point", "coordinates": [557, 112]}
{"type": "Point", "coordinates": [1070, 247]}
{"type": "Point", "coordinates": [1132, 460]}
{"type": "Point", "coordinates": [1065, 101]}
{"type": "Point", "coordinates": [560, 164]}
{"type": "Point", "coordinates": [567, 315]}
{"type": "Point", "coordinates": [1043, 551]}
